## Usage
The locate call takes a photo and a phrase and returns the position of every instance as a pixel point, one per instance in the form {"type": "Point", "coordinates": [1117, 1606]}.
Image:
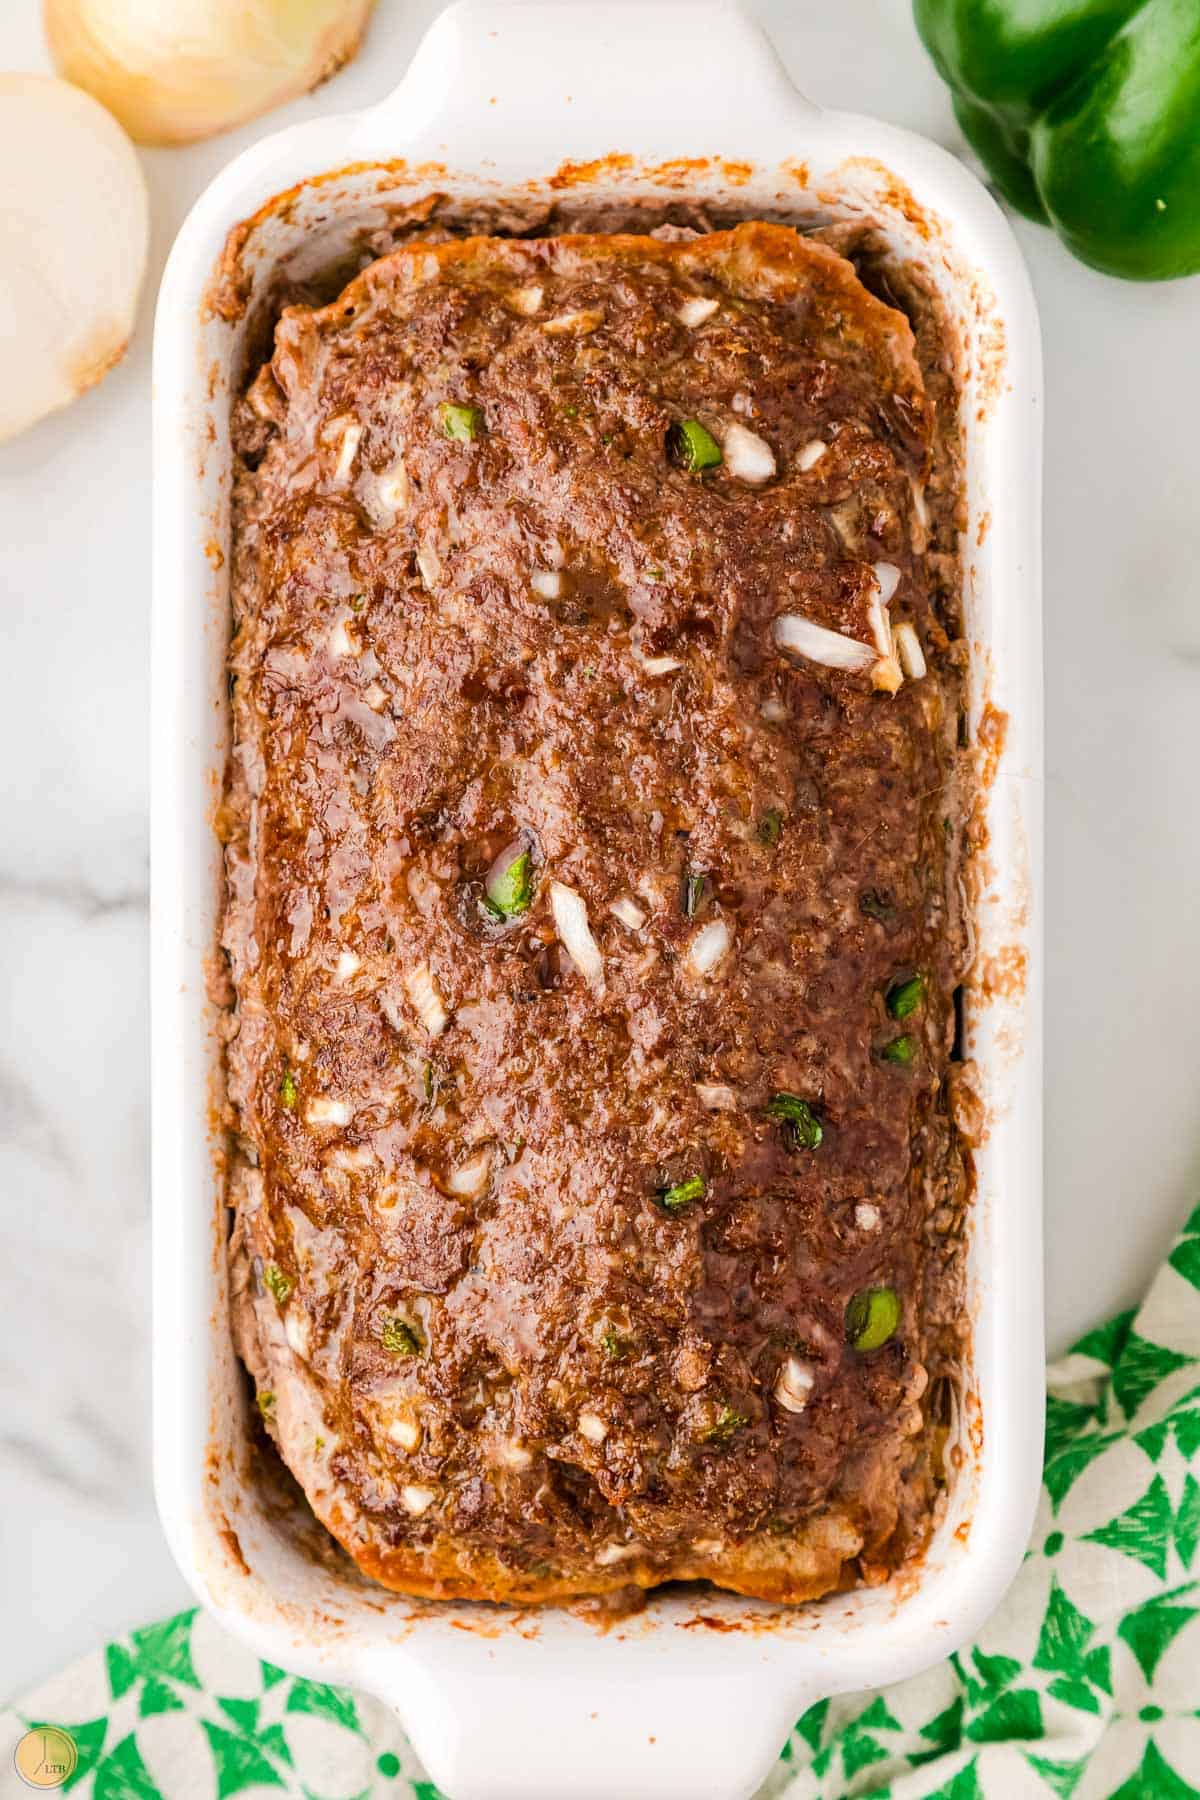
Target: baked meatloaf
{"type": "Point", "coordinates": [593, 919]}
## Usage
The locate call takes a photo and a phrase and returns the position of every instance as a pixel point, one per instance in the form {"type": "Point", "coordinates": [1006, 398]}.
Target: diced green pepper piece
{"type": "Point", "coordinates": [692, 447]}
{"type": "Point", "coordinates": [872, 1317]}
{"type": "Point", "coordinates": [801, 1126]}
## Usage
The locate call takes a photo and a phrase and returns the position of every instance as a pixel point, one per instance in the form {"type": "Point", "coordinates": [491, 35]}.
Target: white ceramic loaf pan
{"type": "Point", "coordinates": [695, 1696]}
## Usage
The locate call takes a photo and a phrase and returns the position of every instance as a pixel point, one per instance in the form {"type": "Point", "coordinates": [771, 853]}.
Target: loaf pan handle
{"type": "Point", "coordinates": [617, 1716]}
{"type": "Point", "coordinates": [508, 77]}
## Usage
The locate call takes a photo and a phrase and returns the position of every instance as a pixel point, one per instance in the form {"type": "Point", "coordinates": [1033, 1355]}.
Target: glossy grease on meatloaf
{"type": "Point", "coordinates": [549, 872]}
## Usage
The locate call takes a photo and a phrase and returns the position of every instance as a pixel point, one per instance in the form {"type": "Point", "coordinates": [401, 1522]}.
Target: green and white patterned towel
{"type": "Point", "coordinates": [1085, 1684]}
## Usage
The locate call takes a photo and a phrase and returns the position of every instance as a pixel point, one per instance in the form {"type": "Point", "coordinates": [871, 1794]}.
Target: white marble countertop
{"type": "Point", "coordinates": [81, 1554]}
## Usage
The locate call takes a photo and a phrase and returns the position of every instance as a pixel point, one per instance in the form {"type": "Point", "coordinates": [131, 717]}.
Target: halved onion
{"type": "Point", "coordinates": [176, 71]}
{"type": "Point", "coordinates": [747, 455]}
{"type": "Point", "coordinates": [804, 637]}
{"type": "Point", "coordinates": [571, 920]}
{"type": "Point", "coordinates": [74, 223]}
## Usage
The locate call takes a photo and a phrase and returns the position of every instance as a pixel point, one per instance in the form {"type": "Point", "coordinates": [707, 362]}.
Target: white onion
{"type": "Point", "coordinates": [547, 583]}
{"type": "Point", "coordinates": [773, 711]}
{"type": "Point", "coordinates": [347, 965]}
{"type": "Point", "coordinates": [866, 1216]}
{"type": "Point", "coordinates": [747, 455]}
{"type": "Point", "coordinates": [74, 223]}
{"type": "Point", "coordinates": [339, 642]}
{"type": "Point", "coordinates": [471, 1178]}
{"type": "Point", "coordinates": [629, 913]}
{"type": "Point", "coordinates": [794, 1384]}
{"type": "Point", "coordinates": [920, 510]}
{"type": "Point", "coordinates": [525, 299]}
{"type": "Point", "coordinates": [887, 577]}
{"type": "Point", "coordinates": [808, 639]}
{"type": "Point", "coordinates": [417, 1500]}
{"type": "Point", "coordinates": [513, 1454]}
{"type": "Point", "coordinates": [716, 1096]}
{"type": "Point", "coordinates": [694, 312]}
{"type": "Point", "coordinates": [909, 651]}
{"type": "Point", "coordinates": [571, 920]}
{"type": "Point", "coordinates": [423, 993]}
{"type": "Point", "coordinates": [592, 1427]}
{"type": "Point", "coordinates": [173, 72]}
{"type": "Point", "coordinates": [811, 454]}
{"type": "Point", "coordinates": [709, 946]}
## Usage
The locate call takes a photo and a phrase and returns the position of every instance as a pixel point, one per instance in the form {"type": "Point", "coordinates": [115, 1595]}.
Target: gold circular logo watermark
{"type": "Point", "coordinates": [46, 1757]}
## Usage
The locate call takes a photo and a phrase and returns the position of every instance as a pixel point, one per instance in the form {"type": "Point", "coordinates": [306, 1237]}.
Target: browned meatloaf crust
{"type": "Point", "coordinates": [549, 872]}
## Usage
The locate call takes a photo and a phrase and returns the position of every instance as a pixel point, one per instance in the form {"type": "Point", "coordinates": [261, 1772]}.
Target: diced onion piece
{"type": "Point", "coordinates": [406, 1432]}
{"type": "Point", "coordinates": [571, 920]}
{"type": "Point", "coordinates": [471, 1178]}
{"type": "Point", "coordinates": [909, 651]}
{"type": "Point", "coordinates": [547, 583]}
{"type": "Point", "coordinates": [417, 1500]}
{"type": "Point", "coordinates": [592, 1427]}
{"type": "Point", "coordinates": [716, 1096]}
{"type": "Point", "coordinates": [393, 487]}
{"type": "Point", "coordinates": [794, 1384]}
{"type": "Point", "coordinates": [887, 676]}
{"type": "Point", "coordinates": [866, 1216]}
{"type": "Point", "coordinates": [423, 993]}
{"type": "Point", "coordinates": [709, 946]}
{"type": "Point", "coordinates": [513, 1454]}
{"type": "Point", "coordinates": [920, 509]}
{"type": "Point", "coordinates": [347, 965]}
{"type": "Point", "coordinates": [526, 299]}
{"type": "Point", "coordinates": [340, 643]}
{"type": "Point", "coordinates": [748, 456]}
{"type": "Point", "coordinates": [815, 642]}
{"type": "Point", "coordinates": [659, 665]}
{"type": "Point", "coordinates": [74, 223]}
{"type": "Point", "coordinates": [296, 1330]}
{"type": "Point", "coordinates": [773, 711]}
{"type": "Point", "coordinates": [351, 438]}
{"type": "Point", "coordinates": [694, 312]}
{"type": "Point", "coordinates": [615, 1553]}
{"type": "Point", "coordinates": [576, 323]}
{"type": "Point", "coordinates": [430, 566]}
{"type": "Point", "coordinates": [811, 454]}
{"type": "Point", "coordinates": [881, 625]}
{"type": "Point", "coordinates": [629, 913]}
{"type": "Point", "coordinates": [324, 1111]}
{"type": "Point", "coordinates": [887, 577]}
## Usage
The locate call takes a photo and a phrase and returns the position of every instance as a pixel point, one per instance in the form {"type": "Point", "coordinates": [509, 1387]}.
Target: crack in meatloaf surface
{"type": "Point", "coordinates": [594, 916]}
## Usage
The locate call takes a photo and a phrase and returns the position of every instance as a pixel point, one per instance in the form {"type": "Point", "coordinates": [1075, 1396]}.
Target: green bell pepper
{"type": "Point", "coordinates": [1086, 113]}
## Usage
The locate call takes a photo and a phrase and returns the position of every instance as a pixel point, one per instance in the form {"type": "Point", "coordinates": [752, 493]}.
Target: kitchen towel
{"type": "Point", "coordinates": [1085, 1685]}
